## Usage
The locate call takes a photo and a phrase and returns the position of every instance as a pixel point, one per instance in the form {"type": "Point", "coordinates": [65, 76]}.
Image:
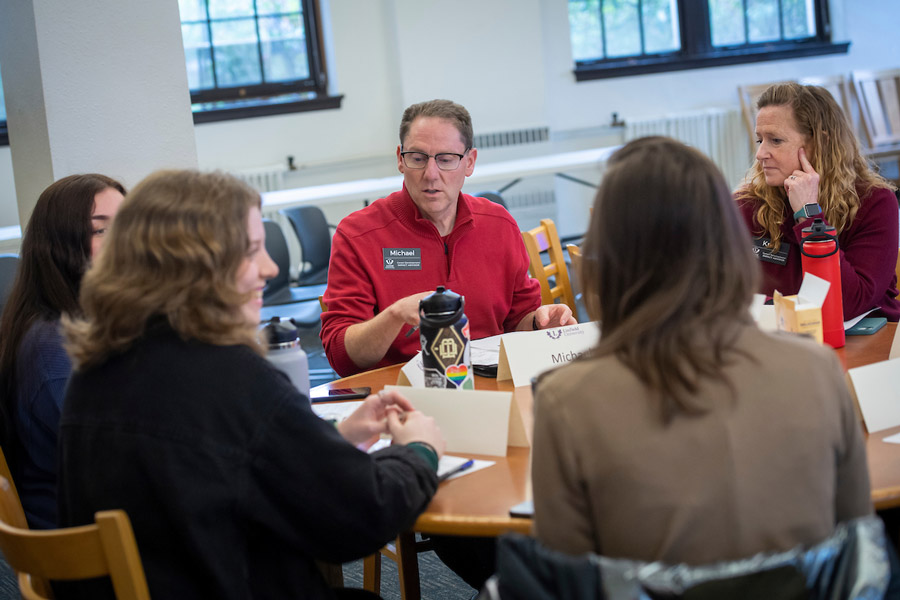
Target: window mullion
{"type": "Point", "coordinates": [212, 46]}
{"type": "Point", "coordinates": [259, 50]}
{"type": "Point", "coordinates": [640, 8]}
{"type": "Point", "coordinates": [603, 29]}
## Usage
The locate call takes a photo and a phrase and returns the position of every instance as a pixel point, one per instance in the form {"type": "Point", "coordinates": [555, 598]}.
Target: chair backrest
{"type": "Point", "coordinates": [20, 511]}
{"type": "Point", "coordinates": [878, 95]}
{"type": "Point", "coordinates": [897, 270]}
{"type": "Point", "coordinates": [749, 95]}
{"type": "Point", "coordinates": [107, 547]}
{"type": "Point", "coordinates": [493, 196]}
{"type": "Point", "coordinates": [545, 239]}
{"type": "Point", "coordinates": [277, 248]}
{"type": "Point", "coordinates": [9, 264]}
{"type": "Point", "coordinates": [853, 559]}
{"type": "Point", "coordinates": [313, 232]}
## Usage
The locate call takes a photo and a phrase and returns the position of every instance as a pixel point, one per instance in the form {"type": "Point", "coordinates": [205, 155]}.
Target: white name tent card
{"type": "Point", "coordinates": [472, 421]}
{"type": "Point", "coordinates": [895, 345]}
{"type": "Point", "coordinates": [524, 354]}
{"type": "Point", "coordinates": [413, 372]}
{"type": "Point", "coordinates": [877, 390]}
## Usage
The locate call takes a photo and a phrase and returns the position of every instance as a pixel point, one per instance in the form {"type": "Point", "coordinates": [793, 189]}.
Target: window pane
{"type": "Point", "coordinates": [275, 7]}
{"type": "Point", "coordinates": [799, 19]}
{"type": "Point", "coordinates": [726, 22]}
{"type": "Point", "coordinates": [622, 26]}
{"type": "Point", "coordinates": [220, 9]}
{"type": "Point", "coordinates": [284, 48]}
{"type": "Point", "coordinates": [197, 57]}
{"type": "Point", "coordinates": [762, 20]}
{"type": "Point", "coordinates": [661, 26]}
{"type": "Point", "coordinates": [236, 51]}
{"type": "Point", "coordinates": [584, 27]}
{"type": "Point", "coordinates": [192, 10]}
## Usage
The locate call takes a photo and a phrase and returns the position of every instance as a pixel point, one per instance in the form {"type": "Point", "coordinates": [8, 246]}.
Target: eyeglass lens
{"type": "Point", "coordinates": [419, 160]}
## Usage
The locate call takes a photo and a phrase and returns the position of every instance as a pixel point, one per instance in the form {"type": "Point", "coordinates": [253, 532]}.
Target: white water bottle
{"type": "Point", "coordinates": [286, 353]}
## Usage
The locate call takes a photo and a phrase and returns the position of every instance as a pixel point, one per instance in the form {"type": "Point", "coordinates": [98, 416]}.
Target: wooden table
{"type": "Point", "coordinates": [478, 504]}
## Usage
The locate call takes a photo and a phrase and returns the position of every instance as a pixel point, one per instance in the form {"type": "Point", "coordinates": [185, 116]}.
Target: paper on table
{"type": "Point", "coordinates": [335, 411]}
{"type": "Point", "coordinates": [485, 351]}
{"type": "Point", "coordinates": [448, 463]}
{"type": "Point", "coordinates": [892, 439]}
{"type": "Point", "coordinates": [855, 320]}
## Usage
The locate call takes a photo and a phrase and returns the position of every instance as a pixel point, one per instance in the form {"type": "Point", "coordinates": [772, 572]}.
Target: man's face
{"type": "Point", "coordinates": [434, 191]}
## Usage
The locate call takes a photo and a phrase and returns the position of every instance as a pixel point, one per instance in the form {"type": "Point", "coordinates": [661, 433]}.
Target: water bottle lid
{"type": "Point", "coordinates": [819, 228]}
{"type": "Point", "coordinates": [280, 333]}
{"type": "Point", "coordinates": [441, 307]}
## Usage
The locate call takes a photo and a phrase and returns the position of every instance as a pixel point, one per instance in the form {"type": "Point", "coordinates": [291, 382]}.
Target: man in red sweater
{"type": "Point", "coordinates": [389, 255]}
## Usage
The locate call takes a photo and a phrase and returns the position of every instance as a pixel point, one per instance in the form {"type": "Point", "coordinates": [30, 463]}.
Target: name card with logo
{"type": "Point", "coordinates": [877, 391]}
{"type": "Point", "coordinates": [472, 421]}
{"type": "Point", "coordinates": [402, 259]}
{"type": "Point", "coordinates": [525, 354]}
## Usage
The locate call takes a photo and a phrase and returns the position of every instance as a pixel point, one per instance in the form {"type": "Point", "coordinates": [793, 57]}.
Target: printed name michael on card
{"type": "Point", "coordinates": [525, 354]}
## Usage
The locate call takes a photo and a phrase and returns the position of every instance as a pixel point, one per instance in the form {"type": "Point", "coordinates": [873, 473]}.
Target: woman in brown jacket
{"type": "Point", "coordinates": [688, 435]}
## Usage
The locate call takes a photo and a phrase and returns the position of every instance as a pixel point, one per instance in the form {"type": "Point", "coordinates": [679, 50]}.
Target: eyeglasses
{"type": "Point", "coordinates": [445, 161]}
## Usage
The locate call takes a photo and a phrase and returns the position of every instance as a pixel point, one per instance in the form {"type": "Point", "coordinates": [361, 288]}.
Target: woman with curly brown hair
{"type": "Point", "coordinates": [233, 485]}
{"type": "Point", "coordinates": [809, 166]}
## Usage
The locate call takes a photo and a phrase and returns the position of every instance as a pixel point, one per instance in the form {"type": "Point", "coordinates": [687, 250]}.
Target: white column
{"type": "Point", "coordinates": [93, 86]}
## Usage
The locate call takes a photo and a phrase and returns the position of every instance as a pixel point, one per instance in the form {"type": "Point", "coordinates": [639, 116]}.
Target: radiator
{"type": "Point", "coordinates": [718, 133]}
{"type": "Point", "coordinates": [264, 179]}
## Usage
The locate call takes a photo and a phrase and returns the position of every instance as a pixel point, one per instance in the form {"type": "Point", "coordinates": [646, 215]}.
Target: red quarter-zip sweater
{"type": "Point", "coordinates": [483, 259]}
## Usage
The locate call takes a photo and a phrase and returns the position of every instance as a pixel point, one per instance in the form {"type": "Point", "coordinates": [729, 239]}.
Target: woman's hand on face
{"type": "Point", "coordinates": [802, 186]}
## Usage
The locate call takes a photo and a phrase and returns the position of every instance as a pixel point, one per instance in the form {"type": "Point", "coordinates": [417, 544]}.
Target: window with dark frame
{"type": "Point", "coordinates": [265, 58]}
{"type": "Point", "coordinates": [615, 38]}
{"type": "Point", "coordinates": [249, 58]}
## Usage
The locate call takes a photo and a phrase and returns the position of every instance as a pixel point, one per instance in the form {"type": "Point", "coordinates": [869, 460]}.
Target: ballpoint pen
{"type": "Point", "coordinates": [463, 467]}
{"type": "Point", "coordinates": [412, 331]}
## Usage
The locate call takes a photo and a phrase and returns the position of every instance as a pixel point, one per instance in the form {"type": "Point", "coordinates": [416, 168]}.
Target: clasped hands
{"type": "Point", "coordinates": [389, 412]}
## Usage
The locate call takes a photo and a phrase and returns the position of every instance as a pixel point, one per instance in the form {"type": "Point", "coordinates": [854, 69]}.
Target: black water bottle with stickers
{"type": "Point", "coordinates": [444, 334]}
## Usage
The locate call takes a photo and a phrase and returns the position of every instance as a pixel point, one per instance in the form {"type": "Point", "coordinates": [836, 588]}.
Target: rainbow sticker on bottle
{"type": "Point", "coordinates": [457, 374]}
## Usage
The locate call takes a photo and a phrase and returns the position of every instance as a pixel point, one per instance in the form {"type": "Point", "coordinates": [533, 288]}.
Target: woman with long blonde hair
{"type": "Point", "coordinates": [809, 165]}
{"type": "Point", "coordinates": [233, 485]}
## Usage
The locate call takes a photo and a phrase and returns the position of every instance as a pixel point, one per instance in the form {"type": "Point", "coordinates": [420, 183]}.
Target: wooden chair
{"type": "Point", "coordinates": [545, 239]}
{"type": "Point", "coordinates": [837, 86]}
{"type": "Point", "coordinates": [104, 548]}
{"type": "Point", "coordinates": [897, 269]}
{"type": "Point", "coordinates": [878, 96]}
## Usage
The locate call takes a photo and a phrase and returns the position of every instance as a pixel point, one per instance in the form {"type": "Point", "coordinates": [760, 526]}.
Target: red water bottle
{"type": "Point", "coordinates": [820, 257]}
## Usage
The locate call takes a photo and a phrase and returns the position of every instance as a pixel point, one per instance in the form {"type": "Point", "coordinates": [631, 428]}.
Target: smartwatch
{"type": "Point", "coordinates": [808, 211]}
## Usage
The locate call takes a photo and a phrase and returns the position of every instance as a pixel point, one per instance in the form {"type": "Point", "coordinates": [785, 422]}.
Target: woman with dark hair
{"type": "Point", "coordinates": [233, 485]}
{"type": "Point", "coordinates": [809, 166]}
{"type": "Point", "coordinates": [688, 434]}
{"type": "Point", "coordinates": [66, 229]}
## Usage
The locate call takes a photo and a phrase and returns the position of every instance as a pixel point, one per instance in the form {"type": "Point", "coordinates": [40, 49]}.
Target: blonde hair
{"type": "Point", "coordinates": [833, 151]}
{"type": "Point", "coordinates": [175, 250]}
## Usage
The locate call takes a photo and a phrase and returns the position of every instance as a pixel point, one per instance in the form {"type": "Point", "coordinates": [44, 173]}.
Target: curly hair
{"type": "Point", "coordinates": [667, 268]}
{"type": "Point", "coordinates": [178, 243]}
{"type": "Point", "coordinates": [833, 151]}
